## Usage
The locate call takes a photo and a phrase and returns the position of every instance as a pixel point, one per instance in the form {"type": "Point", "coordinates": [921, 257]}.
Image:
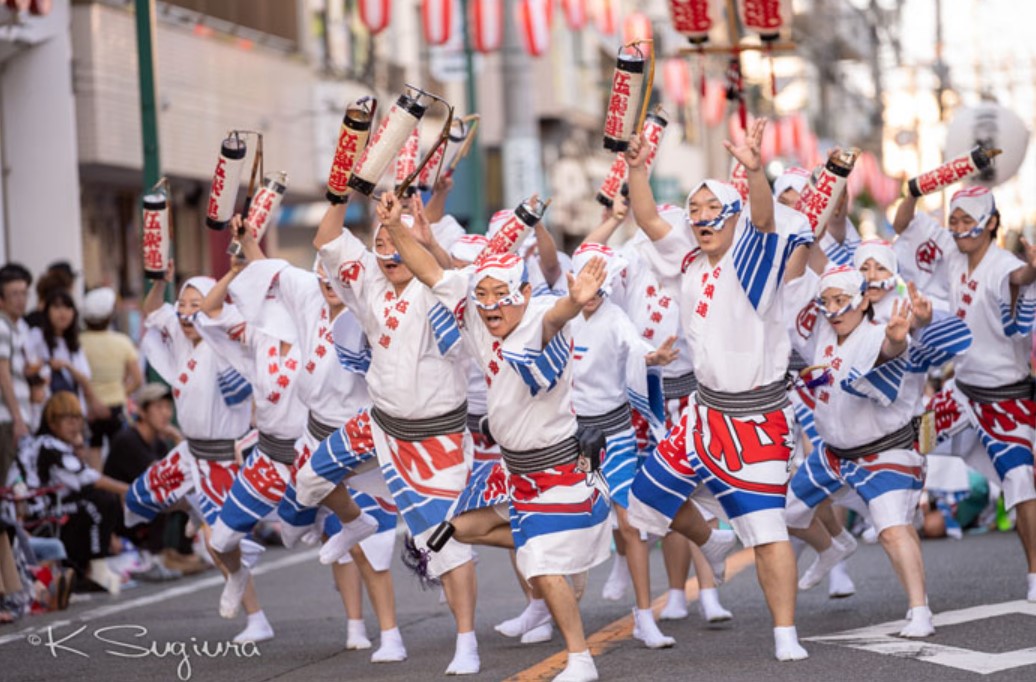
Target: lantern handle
{"type": "Point", "coordinates": [650, 80]}
{"type": "Point", "coordinates": [470, 123]}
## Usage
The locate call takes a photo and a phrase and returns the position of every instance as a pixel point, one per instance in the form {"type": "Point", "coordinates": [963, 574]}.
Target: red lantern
{"type": "Point", "coordinates": [487, 24]}
{"type": "Point", "coordinates": [375, 14]}
{"type": "Point", "coordinates": [714, 104]}
{"type": "Point", "coordinates": [534, 23]}
{"type": "Point", "coordinates": [676, 80]}
{"type": "Point", "coordinates": [635, 27]}
{"type": "Point", "coordinates": [692, 18]}
{"type": "Point", "coordinates": [575, 13]}
{"type": "Point", "coordinates": [607, 16]}
{"type": "Point", "coordinates": [437, 21]}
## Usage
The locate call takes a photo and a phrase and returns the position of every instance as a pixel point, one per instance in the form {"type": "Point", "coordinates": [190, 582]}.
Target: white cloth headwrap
{"type": "Point", "coordinates": [614, 263]}
{"type": "Point", "coordinates": [843, 278]}
{"type": "Point", "coordinates": [468, 247]}
{"type": "Point", "coordinates": [507, 268]}
{"type": "Point", "coordinates": [794, 178]}
{"type": "Point", "coordinates": [203, 284]}
{"type": "Point", "coordinates": [727, 195]}
{"type": "Point", "coordinates": [978, 203]}
{"type": "Point", "coordinates": [878, 249]}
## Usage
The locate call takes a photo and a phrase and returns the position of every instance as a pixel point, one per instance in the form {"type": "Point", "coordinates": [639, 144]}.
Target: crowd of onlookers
{"type": "Point", "coordinates": [77, 425]}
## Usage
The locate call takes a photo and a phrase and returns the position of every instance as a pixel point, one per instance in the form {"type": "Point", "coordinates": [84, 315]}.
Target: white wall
{"type": "Point", "coordinates": [40, 185]}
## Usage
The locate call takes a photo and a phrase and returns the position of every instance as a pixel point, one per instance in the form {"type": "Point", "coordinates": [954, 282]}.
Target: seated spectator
{"type": "Point", "coordinates": [114, 366]}
{"type": "Point", "coordinates": [133, 449]}
{"type": "Point", "coordinates": [55, 457]}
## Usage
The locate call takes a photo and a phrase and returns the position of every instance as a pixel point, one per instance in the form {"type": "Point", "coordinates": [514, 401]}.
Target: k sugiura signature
{"type": "Point", "coordinates": [132, 641]}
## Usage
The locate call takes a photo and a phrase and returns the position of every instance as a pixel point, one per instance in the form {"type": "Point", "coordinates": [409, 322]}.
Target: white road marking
{"type": "Point", "coordinates": [164, 595]}
{"type": "Point", "coordinates": [881, 639]}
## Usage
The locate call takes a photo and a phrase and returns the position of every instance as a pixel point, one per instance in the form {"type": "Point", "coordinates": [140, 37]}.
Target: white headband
{"type": "Point", "coordinates": [727, 195]}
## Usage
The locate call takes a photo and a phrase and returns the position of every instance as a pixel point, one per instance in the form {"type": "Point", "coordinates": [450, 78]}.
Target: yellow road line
{"type": "Point", "coordinates": [612, 634]}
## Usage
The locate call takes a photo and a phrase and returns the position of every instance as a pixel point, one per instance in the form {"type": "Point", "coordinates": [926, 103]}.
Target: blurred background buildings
{"type": "Point", "coordinates": [887, 76]}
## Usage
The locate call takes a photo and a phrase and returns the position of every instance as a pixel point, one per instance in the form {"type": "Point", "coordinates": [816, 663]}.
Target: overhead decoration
{"type": "Point", "coordinates": [437, 21]}
{"type": "Point", "coordinates": [534, 25]}
{"type": "Point", "coordinates": [375, 14]}
{"type": "Point", "coordinates": [486, 21]}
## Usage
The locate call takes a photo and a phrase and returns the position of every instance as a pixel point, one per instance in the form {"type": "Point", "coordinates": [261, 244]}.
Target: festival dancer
{"type": "Point", "coordinates": [256, 336]}
{"type": "Point", "coordinates": [333, 392]}
{"type": "Point", "coordinates": [611, 374]}
{"type": "Point", "coordinates": [655, 312]}
{"type": "Point", "coordinates": [867, 388]}
{"type": "Point", "coordinates": [558, 514]}
{"type": "Point", "coordinates": [416, 427]}
{"type": "Point", "coordinates": [991, 290]}
{"type": "Point", "coordinates": [736, 437]}
{"type": "Point", "coordinates": [213, 407]}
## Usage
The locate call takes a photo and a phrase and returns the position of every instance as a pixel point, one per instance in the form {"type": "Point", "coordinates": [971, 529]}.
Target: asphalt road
{"type": "Point", "coordinates": [158, 630]}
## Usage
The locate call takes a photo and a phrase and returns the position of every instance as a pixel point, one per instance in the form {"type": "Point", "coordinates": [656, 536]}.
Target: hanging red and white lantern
{"type": "Point", "coordinates": [534, 24]}
{"type": "Point", "coordinates": [437, 21]}
{"type": "Point", "coordinates": [606, 16]}
{"type": "Point", "coordinates": [486, 19]}
{"type": "Point", "coordinates": [676, 80]}
{"type": "Point", "coordinates": [636, 26]}
{"type": "Point", "coordinates": [226, 181]}
{"type": "Point", "coordinates": [692, 18]}
{"type": "Point", "coordinates": [375, 14]}
{"type": "Point", "coordinates": [575, 13]}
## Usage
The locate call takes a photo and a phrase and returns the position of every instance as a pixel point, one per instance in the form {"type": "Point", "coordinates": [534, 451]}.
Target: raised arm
{"type": "Point", "coordinates": [613, 218]}
{"type": "Point", "coordinates": [760, 196]}
{"type": "Point", "coordinates": [422, 263]}
{"type": "Point", "coordinates": [896, 332]}
{"type": "Point", "coordinates": [249, 246]}
{"type": "Point", "coordinates": [581, 289]}
{"type": "Point", "coordinates": [436, 207]}
{"type": "Point", "coordinates": [424, 235]}
{"type": "Point", "coordinates": [156, 294]}
{"type": "Point", "coordinates": [548, 251]}
{"type": "Point", "coordinates": [904, 213]}
{"type": "Point", "coordinates": [330, 227]}
{"type": "Point", "coordinates": [642, 199]}
{"type": "Point", "coordinates": [212, 305]}
{"type": "Point", "coordinates": [1025, 275]}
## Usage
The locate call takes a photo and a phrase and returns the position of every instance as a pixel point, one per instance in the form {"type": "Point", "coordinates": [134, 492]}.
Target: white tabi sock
{"type": "Point", "coordinates": [390, 649]}
{"type": "Point", "coordinates": [580, 668]}
{"type": "Point", "coordinates": [465, 658]}
{"type": "Point", "coordinates": [675, 605]}
{"type": "Point", "coordinates": [1032, 587]}
{"type": "Point", "coordinates": [646, 630]}
{"type": "Point", "coordinates": [919, 623]}
{"type": "Point", "coordinates": [356, 635]}
{"type": "Point", "coordinates": [618, 580]}
{"type": "Point", "coordinates": [360, 528]}
{"type": "Point", "coordinates": [535, 614]}
{"type": "Point", "coordinates": [538, 635]}
{"type": "Point", "coordinates": [258, 629]}
{"type": "Point", "coordinates": [786, 644]}
{"type": "Point", "coordinates": [233, 591]}
{"type": "Point", "coordinates": [839, 584]}
{"type": "Point", "coordinates": [716, 548]}
{"type": "Point", "coordinates": [708, 604]}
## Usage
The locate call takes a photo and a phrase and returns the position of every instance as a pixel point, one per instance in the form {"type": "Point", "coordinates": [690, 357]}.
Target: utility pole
{"type": "Point", "coordinates": [146, 78]}
{"type": "Point", "coordinates": [523, 168]}
{"type": "Point", "coordinates": [476, 196]}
